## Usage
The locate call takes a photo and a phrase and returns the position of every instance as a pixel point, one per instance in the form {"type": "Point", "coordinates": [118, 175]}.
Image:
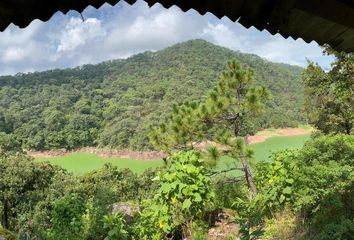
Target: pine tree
{"type": "Point", "coordinates": [221, 117]}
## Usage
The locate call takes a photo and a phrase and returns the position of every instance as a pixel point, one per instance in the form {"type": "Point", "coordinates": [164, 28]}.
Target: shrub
{"type": "Point", "coordinates": [316, 181]}
{"type": "Point", "coordinates": [183, 196]}
{"type": "Point", "coordinates": [67, 218]}
{"type": "Point", "coordinates": [115, 227]}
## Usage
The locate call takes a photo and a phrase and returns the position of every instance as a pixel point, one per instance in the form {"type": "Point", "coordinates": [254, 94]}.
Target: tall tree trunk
{"type": "Point", "coordinates": [5, 215]}
{"type": "Point", "coordinates": [248, 175]}
{"type": "Point", "coordinates": [247, 170]}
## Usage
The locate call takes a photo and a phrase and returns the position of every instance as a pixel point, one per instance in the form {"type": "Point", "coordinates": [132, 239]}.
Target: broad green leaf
{"type": "Point", "coordinates": [186, 204]}
{"type": "Point", "coordinates": [287, 190]}
{"type": "Point", "coordinates": [198, 198]}
{"type": "Point", "coordinates": [290, 180]}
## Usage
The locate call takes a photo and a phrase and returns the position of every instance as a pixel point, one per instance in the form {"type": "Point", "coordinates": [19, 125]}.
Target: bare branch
{"type": "Point", "coordinates": [230, 180]}
{"type": "Point", "coordinates": [225, 171]}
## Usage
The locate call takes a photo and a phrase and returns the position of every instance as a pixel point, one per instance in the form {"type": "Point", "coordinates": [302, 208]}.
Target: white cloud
{"type": "Point", "coordinates": [222, 35]}
{"type": "Point", "coordinates": [13, 54]}
{"type": "Point", "coordinates": [150, 29]}
{"type": "Point", "coordinates": [273, 48]}
{"type": "Point", "coordinates": [78, 33]}
{"type": "Point", "coordinates": [17, 46]}
{"type": "Point", "coordinates": [143, 33]}
{"type": "Point", "coordinates": [278, 49]}
{"type": "Point", "coordinates": [123, 30]}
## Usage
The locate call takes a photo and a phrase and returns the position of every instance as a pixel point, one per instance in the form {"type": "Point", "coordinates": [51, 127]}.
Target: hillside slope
{"type": "Point", "coordinates": [114, 103]}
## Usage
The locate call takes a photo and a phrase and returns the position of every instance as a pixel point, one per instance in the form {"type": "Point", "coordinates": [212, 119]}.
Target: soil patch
{"type": "Point", "coordinates": [224, 227]}
{"type": "Point", "coordinates": [104, 153]}
{"type": "Point", "coordinates": [262, 136]}
{"type": "Point", "coordinates": [48, 154]}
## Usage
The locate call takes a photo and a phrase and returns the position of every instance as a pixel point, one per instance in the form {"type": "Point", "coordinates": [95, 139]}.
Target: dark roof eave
{"type": "Point", "coordinates": [324, 21]}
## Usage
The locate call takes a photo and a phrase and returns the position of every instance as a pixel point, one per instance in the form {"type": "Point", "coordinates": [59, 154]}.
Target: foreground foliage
{"type": "Point", "coordinates": [316, 183]}
{"type": "Point", "coordinates": [40, 201]}
{"type": "Point", "coordinates": [184, 195]}
{"type": "Point", "coordinates": [302, 194]}
{"type": "Point", "coordinates": [22, 185]}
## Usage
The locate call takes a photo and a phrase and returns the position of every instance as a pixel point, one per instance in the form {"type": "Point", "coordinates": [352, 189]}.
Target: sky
{"type": "Point", "coordinates": [123, 30]}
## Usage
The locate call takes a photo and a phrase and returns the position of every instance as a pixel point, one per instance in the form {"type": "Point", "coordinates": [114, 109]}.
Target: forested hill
{"type": "Point", "coordinates": [114, 103]}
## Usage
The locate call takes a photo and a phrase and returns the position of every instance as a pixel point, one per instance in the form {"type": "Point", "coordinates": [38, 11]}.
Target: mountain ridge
{"type": "Point", "coordinates": [113, 103]}
{"type": "Point", "coordinates": [152, 52]}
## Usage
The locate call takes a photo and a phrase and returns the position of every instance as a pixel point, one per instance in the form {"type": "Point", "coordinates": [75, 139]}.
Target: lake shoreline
{"type": "Point", "coordinates": [261, 136]}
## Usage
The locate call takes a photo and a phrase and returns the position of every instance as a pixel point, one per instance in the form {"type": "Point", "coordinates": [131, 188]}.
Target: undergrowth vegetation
{"type": "Point", "coordinates": [302, 194]}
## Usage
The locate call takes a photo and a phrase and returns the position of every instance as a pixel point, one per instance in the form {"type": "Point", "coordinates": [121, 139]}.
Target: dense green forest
{"type": "Point", "coordinates": [300, 194]}
{"type": "Point", "coordinates": [112, 104]}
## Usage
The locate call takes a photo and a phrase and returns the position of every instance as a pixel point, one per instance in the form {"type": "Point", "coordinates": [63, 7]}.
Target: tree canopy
{"type": "Point", "coordinates": [329, 95]}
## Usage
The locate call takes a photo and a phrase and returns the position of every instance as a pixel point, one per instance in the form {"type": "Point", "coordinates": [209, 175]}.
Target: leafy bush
{"type": "Point", "coordinates": [115, 226]}
{"type": "Point", "coordinates": [250, 217]}
{"type": "Point", "coordinates": [183, 196]}
{"type": "Point", "coordinates": [24, 183]}
{"type": "Point", "coordinates": [276, 179]}
{"type": "Point", "coordinates": [67, 218]}
{"type": "Point", "coordinates": [316, 181]}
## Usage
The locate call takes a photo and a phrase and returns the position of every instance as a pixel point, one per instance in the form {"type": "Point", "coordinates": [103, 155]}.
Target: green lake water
{"type": "Point", "coordinates": [80, 163]}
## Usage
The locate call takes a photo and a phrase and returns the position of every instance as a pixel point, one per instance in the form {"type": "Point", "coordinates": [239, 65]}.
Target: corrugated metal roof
{"type": "Point", "coordinates": [325, 21]}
